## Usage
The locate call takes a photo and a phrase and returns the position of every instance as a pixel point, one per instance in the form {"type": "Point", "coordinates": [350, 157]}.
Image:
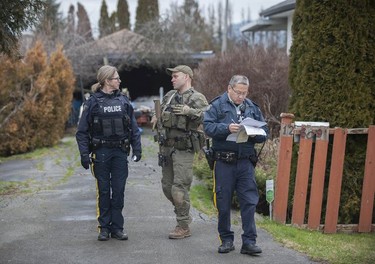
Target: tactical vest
{"type": "Point", "coordinates": [171, 120]}
{"type": "Point", "coordinates": [110, 119]}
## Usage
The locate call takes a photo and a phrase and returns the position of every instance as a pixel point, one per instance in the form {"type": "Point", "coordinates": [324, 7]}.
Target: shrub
{"type": "Point", "coordinates": [267, 70]}
{"type": "Point", "coordinates": [35, 95]}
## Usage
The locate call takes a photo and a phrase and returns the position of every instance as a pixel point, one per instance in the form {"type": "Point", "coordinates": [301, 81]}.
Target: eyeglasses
{"type": "Point", "coordinates": [243, 94]}
{"type": "Point", "coordinates": [117, 78]}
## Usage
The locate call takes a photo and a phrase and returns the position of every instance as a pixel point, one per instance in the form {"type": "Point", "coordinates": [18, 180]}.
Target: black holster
{"type": "Point", "coordinates": [253, 159]}
{"type": "Point", "coordinates": [209, 154]}
{"type": "Point", "coordinates": [162, 160]}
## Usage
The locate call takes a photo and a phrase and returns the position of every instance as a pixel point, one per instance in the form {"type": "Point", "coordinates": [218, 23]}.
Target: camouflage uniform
{"type": "Point", "coordinates": [182, 139]}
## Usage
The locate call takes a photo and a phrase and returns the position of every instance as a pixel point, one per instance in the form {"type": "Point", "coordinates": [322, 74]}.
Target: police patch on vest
{"type": "Point", "coordinates": [112, 109]}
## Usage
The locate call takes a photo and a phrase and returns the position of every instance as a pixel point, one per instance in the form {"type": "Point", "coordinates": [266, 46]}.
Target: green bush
{"type": "Point", "coordinates": [332, 78]}
{"type": "Point", "coordinates": [202, 171]}
{"type": "Point", "coordinates": [265, 170]}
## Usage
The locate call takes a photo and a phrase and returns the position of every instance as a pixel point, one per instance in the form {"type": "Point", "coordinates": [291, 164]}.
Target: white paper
{"type": "Point", "coordinates": [249, 127]}
{"type": "Point", "coordinates": [248, 121]}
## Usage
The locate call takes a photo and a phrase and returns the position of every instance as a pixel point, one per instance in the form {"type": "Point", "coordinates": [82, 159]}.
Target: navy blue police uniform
{"type": "Point", "coordinates": [233, 166]}
{"type": "Point", "coordinates": [107, 129]}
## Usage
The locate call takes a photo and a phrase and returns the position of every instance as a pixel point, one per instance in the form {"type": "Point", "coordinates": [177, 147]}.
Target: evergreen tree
{"type": "Point", "coordinates": [332, 77]}
{"type": "Point", "coordinates": [195, 26]}
{"type": "Point", "coordinates": [51, 27]}
{"type": "Point", "coordinates": [123, 15]}
{"type": "Point", "coordinates": [71, 24]}
{"type": "Point", "coordinates": [84, 26]}
{"type": "Point", "coordinates": [104, 21]}
{"type": "Point", "coordinates": [34, 94]}
{"type": "Point", "coordinates": [51, 22]}
{"type": "Point", "coordinates": [113, 23]}
{"type": "Point", "coordinates": [16, 17]}
{"type": "Point", "coordinates": [61, 83]}
{"type": "Point", "coordinates": [147, 10]}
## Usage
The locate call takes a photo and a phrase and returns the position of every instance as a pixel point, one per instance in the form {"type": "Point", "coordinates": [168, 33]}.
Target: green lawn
{"type": "Point", "coordinates": [328, 248]}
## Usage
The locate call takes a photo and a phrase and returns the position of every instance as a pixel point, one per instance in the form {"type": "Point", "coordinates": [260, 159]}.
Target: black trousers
{"type": "Point", "coordinates": [110, 168]}
{"type": "Point", "coordinates": [238, 176]}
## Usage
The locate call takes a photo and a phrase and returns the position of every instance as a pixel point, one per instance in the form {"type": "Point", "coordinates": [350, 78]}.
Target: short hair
{"type": "Point", "coordinates": [239, 79]}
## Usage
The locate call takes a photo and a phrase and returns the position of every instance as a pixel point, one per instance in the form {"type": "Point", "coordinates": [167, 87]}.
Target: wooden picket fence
{"type": "Point", "coordinates": [320, 137]}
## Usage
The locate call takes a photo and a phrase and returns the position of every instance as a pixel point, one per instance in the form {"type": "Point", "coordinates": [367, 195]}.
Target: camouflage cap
{"type": "Point", "coordinates": [181, 68]}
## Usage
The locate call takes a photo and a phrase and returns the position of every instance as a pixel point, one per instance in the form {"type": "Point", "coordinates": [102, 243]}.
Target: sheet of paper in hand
{"type": "Point", "coordinates": [249, 127]}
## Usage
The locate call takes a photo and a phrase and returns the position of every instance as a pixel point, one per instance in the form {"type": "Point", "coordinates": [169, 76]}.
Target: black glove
{"type": "Point", "coordinates": [137, 155]}
{"type": "Point", "coordinates": [85, 161]}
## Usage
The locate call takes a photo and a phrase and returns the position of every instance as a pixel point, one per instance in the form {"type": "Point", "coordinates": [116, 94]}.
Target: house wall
{"type": "Point", "coordinates": [289, 32]}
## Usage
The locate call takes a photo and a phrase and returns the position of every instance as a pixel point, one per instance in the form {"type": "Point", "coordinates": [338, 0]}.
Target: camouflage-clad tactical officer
{"type": "Point", "coordinates": [181, 115]}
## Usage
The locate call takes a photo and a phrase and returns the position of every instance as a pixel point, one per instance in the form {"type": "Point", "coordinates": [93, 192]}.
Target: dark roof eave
{"type": "Point", "coordinates": [265, 25]}
{"type": "Point", "coordinates": [279, 8]}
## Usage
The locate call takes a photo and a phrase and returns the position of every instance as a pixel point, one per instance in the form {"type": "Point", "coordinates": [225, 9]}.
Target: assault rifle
{"type": "Point", "coordinates": [159, 137]}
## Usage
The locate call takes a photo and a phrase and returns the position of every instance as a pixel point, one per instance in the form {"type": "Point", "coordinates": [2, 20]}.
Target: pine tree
{"type": "Point", "coordinates": [195, 26]}
{"type": "Point", "coordinates": [71, 21]}
{"type": "Point", "coordinates": [84, 26]}
{"type": "Point", "coordinates": [51, 21]}
{"type": "Point", "coordinates": [113, 23]}
{"type": "Point", "coordinates": [104, 21]}
{"type": "Point", "coordinates": [147, 10]}
{"type": "Point", "coordinates": [16, 17]}
{"type": "Point", "coordinates": [123, 15]}
{"type": "Point", "coordinates": [332, 78]}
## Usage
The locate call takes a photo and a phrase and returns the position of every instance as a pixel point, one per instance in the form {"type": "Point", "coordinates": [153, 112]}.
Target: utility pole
{"type": "Point", "coordinates": [225, 31]}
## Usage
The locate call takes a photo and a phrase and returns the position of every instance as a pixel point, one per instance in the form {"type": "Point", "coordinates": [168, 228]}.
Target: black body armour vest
{"type": "Point", "coordinates": [110, 119]}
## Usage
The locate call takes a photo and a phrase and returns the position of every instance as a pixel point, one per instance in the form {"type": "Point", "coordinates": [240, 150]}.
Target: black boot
{"type": "Point", "coordinates": [119, 235]}
{"type": "Point", "coordinates": [251, 249]}
{"type": "Point", "coordinates": [226, 247]}
{"type": "Point", "coordinates": [103, 235]}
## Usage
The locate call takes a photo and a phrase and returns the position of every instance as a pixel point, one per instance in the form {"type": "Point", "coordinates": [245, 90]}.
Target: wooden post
{"type": "Point", "coordinates": [302, 177]}
{"type": "Point", "coordinates": [317, 182]}
{"type": "Point", "coordinates": [335, 180]}
{"type": "Point", "coordinates": [283, 168]}
{"type": "Point", "coordinates": [368, 188]}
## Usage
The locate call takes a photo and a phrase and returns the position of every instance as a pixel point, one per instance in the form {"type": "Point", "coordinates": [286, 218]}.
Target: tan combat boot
{"type": "Point", "coordinates": [179, 233]}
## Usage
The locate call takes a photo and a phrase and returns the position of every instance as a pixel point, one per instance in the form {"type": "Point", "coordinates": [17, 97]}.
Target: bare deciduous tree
{"type": "Point", "coordinates": [267, 70]}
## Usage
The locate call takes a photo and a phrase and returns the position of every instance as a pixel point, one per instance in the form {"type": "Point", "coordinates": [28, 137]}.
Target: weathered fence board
{"type": "Point", "coordinates": [283, 164]}
{"type": "Point", "coordinates": [368, 189]}
{"type": "Point", "coordinates": [335, 180]}
{"type": "Point", "coordinates": [317, 182]}
{"type": "Point", "coordinates": [318, 137]}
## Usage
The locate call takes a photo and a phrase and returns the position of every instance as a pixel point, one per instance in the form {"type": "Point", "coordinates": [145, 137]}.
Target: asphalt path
{"type": "Point", "coordinates": [55, 221]}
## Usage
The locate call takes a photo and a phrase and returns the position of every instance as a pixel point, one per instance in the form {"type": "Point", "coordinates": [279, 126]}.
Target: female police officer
{"type": "Point", "coordinates": [106, 130]}
{"type": "Point", "coordinates": [233, 167]}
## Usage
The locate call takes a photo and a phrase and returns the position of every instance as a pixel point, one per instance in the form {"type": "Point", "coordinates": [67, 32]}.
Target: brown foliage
{"type": "Point", "coordinates": [35, 100]}
{"type": "Point", "coordinates": [267, 70]}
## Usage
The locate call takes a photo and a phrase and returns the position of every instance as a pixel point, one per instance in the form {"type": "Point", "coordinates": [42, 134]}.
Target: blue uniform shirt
{"type": "Point", "coordinates": [216, 122]}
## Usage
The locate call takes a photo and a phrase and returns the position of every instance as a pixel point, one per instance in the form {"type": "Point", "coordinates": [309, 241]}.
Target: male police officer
{"type": "Point", "coordinates": [233, 166]}
{"type": "Point", "coordinates": [107, 129]}
{"type": "Point", "coordinates": [181, 115]}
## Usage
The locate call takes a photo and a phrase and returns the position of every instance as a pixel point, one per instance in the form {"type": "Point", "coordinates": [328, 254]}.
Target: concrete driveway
{"type": "Point", "coordinates": [56, 221]}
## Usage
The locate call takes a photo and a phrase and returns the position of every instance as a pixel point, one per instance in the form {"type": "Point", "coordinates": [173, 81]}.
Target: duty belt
{"type": "Point", "coordinates": [229, 156]}
{"type": "Point", "coordinates": [109, 143]}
